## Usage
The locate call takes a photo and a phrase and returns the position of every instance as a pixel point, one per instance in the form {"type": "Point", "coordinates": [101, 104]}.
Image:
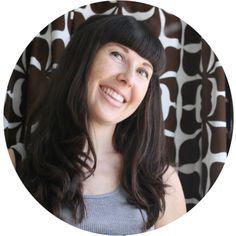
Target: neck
{"type": "Point", "coordinates": [102, 138]}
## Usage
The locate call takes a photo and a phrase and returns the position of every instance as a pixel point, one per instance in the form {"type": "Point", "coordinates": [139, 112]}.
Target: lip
{"type": "Point", "coordinates": [117, 91]}
{"type": "Point", "coordinates": [109, 98]}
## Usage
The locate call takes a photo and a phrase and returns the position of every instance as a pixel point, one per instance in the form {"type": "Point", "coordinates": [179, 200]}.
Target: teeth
{"type": "Point", "coordinates": [113, 94]}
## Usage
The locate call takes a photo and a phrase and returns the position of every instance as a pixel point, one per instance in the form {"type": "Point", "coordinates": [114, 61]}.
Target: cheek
{"type": "Point", "coordinates": [97, 67]}
{"type": "Point", "coordinates": [142, 90]}
{"type": "Point", "coordinates": [94, 74]}
{"type": "Point", "coordinates": [138, 96]}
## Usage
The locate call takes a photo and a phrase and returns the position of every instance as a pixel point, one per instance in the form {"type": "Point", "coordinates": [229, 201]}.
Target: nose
{"type": "Point", "coordinates": [126, 77]}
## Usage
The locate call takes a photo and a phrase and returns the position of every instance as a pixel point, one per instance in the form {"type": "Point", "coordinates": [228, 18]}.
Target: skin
{"type": "Point", "coordinates": [12, 157]}
{"type": "Point", "coordinates": [117, 83]}
{"type": "Point", "coordinates": [175, 200]}
{"type": "Point", "coordinates": [123, 70]}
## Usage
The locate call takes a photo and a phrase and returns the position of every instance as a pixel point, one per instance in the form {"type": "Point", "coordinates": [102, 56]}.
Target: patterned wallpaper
{"type": "Point", "coordinates": [193, 89]}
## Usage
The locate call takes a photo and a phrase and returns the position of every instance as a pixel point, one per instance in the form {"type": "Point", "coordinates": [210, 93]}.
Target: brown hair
{"type": "Point", "coordinates": [53, 169]}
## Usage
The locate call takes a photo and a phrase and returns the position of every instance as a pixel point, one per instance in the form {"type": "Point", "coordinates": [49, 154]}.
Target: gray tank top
{"type": "Point", "coordinates": [109, 214]}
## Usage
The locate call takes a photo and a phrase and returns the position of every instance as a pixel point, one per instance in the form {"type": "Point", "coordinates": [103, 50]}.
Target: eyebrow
{"type": "Point", "coordinates": [124, 48]}
{"type": "Point", "coordinates": [148, 64]}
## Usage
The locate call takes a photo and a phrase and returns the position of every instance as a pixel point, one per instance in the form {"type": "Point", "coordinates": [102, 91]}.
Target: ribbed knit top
{"type": "Point", "coordinates": [109, 214]}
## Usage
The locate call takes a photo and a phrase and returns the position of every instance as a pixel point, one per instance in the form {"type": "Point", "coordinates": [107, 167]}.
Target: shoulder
{"type": "Point", "coordinates": [174, 198]}
{"type": "Point", "coordinates": [12, 156]}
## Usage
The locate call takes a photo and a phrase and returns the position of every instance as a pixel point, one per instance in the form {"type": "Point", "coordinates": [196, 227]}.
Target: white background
{"type": "Point", "coordinates": [20, 21]}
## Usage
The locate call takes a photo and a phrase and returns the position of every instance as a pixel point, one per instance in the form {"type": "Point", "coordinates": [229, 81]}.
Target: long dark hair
{"type": "Point", "coordinates": [56, 164]}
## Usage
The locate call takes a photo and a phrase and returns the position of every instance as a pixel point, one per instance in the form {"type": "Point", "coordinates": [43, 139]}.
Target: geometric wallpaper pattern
{"type": "Point", "coordinates": [193, 89]}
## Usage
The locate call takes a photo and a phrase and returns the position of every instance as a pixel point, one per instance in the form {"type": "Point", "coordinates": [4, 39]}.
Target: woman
{"type": "Point", "coordinates": [96, 157]}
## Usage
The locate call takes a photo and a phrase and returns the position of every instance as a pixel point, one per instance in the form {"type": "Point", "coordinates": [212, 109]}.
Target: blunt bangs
{"type": "Point", "coordinates": [133, 34]}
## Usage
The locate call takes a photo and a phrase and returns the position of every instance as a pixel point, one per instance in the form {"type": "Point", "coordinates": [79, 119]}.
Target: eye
{"type": "Point", "coordinates": [143, 73]}
{"type": "Point", "coordinates": [117, 55]}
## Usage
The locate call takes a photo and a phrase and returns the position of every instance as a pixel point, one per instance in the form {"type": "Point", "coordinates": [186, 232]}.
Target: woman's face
{"type": "Point", "coordinates": [117, 83]}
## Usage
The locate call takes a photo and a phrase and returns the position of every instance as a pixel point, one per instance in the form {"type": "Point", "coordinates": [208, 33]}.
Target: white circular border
{"type": "Point", "coordinates": [20, 21]}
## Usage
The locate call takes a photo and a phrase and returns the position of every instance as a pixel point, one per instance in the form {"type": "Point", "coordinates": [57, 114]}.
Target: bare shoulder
{"type": "Point", "coordinates": [12, 156]}
{"type": "Point", "coordinates": [174, 199]}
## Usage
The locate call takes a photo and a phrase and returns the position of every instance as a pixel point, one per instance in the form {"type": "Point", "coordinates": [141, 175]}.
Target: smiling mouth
{"type": "Point", "coordinates": [113, 94]}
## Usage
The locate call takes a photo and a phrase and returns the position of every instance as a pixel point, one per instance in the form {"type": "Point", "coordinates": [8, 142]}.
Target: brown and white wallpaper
{"type": "Point", "coordinates": [193, 90]}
